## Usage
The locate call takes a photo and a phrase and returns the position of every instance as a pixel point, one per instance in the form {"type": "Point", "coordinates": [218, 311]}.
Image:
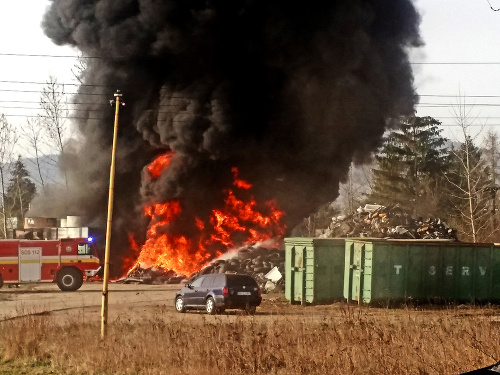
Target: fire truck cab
{"type": "Point", "coordinates": [66, 261]}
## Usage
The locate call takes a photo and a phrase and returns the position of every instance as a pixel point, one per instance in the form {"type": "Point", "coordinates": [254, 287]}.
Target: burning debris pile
{"type": "Point", "coordinates": [265, 265]}
{"type": "Point", "coordinates": [388, 222]}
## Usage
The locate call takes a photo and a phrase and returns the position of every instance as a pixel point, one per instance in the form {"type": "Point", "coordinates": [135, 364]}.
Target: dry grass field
{"type": "Point", "coordinates": [279, 339]}
{"type": "Point", "coordinates": [45, 331]}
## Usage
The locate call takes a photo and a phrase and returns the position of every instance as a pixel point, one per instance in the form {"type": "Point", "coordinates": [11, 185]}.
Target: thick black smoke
{"type": "Point", "coordinates": [288, 92]}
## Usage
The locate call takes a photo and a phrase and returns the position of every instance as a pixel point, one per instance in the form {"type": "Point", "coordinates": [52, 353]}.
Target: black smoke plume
{"type": "Point", "coordinates": [289, 92]}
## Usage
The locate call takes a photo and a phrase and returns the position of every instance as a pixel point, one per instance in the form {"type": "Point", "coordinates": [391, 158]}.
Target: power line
{"type": "Point", "coordinates": [62, 109]}
{"type": "Point", "coordinates": [83, 93]}
{"type": "Point", "coordinates": [92, 110]}
{"type": "Point", "coordinates": [184, 97]}
{"type": "Point", "coordinates": [476, 118]}
{"type": "Point", "coordinates": [456, 63]}
{"type": "Point", "coordinates": [56, 83]}
{"type": "Point", "coordinates": [101, 118]}
{"type": "Point", "coordinates": [446, 105]}
{"type": "Point", "coordinates": [97, 85]}
{"type": "Point", "coordinates": [65, 103]}
{"type": "Point", "coordinates": [178, 120]}
{"type": "Point", "coordinates": [493, 9]}
{"type": "Point", "coordinates": [64, 93]}
{"type": "Point", "coordinates": [457, 96]}
{"type": "Point", "coordinates": [123, 57]}
{"type": "Point", "coordinates": [473, 125]}
{"type": "Point", "coordinates": [52, 56]}
{"type": "Point", "coordinates": [106, 103]}
{"type": "Point", "coordinates": [62, 117]}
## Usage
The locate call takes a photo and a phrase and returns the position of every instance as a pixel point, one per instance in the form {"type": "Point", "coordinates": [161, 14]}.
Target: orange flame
{"type": "Point", "coordinates": [159, 165]}
{"type": "Point", "coordinates": [242, 184]}
{"type": "Point", "coordinates": [136, 250]}
{"type": "Point", "coordinates": [238, 223]}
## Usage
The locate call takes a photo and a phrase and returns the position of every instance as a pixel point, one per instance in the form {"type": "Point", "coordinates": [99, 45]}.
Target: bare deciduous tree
{"type": "Point", "coordinates": [32, 133]}
{"type": "Point", "coordinates": [8, 140]}
{"type": "Point", "coordinates": [54, 114]}
{"type": "Point", "coordinates": [357, 187]}
{"type": "Point", "coordinates": [468, 179]}
{"type": "Point", "coordinates": [79, 68]}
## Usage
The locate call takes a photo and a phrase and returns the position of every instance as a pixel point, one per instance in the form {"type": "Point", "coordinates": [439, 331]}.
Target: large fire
{"type": "Point", "coordinates": [186, 255]}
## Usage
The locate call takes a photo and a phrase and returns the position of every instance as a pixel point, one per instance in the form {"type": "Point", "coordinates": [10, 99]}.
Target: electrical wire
{"type": "Point", "coordinates": [123, 58]}
{"type": "Point", "coordinates": [493, 9]}
{"type": "Point", "coordinates": [457, 96]}
{"type": "Point", "coordinates": [455, 63]}
{"type": "Point", "coordinates": [181, 121]}
{"type": "Point", "coordinates": [51, 56]}
{"type": "Point", "coordinates": [65, 93]}
{"type": "Point", "coordinates": [56, 83]}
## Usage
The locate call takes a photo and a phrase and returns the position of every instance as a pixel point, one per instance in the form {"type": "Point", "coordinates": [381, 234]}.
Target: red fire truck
{"type": "Point", "coordinates": [65, 261]}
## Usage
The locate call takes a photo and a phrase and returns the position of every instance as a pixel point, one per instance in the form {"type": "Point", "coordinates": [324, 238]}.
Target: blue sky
{"type": "Point", "coordinates": [458, 31]}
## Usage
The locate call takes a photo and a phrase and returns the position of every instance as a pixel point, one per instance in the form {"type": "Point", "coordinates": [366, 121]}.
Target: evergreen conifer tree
{"type": "Point", "coordinates": [410, 166]}
{"type": "Point", "coordinates": [20, 191]}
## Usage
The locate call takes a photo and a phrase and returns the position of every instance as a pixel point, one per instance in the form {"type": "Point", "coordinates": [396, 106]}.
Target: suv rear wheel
{"type": "Point", "coordinates": [210, 306]}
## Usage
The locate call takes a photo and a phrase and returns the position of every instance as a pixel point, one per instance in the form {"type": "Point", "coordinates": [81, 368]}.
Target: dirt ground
{"type": "Point", "coordinates": [131, 302]}
{"type": "Point", "coordinates": [139, 302]}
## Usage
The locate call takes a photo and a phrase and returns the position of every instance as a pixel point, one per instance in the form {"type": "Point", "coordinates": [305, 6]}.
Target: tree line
{"type": "Point", "coordinates": [430, 176]}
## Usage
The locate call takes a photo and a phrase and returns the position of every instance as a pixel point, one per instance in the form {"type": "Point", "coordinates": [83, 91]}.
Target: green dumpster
{"type": "Point", "coordinates": [388, 270]}
{"type": "Point", "coordinates": [314, 269]}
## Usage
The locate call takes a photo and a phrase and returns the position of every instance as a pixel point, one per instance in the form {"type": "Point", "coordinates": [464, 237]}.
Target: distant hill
{"type": "Point", "coordinates": [49, 170]}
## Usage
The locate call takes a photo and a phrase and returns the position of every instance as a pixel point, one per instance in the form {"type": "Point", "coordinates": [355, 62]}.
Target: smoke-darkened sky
{"type": "Point", "coordinates": [288, 93]}
{"type": "Point", "coordinates": [467, 36]}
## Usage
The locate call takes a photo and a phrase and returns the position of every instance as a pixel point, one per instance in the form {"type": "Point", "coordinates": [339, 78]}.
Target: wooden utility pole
{"type": "Point", "coordinates": [104, 310]}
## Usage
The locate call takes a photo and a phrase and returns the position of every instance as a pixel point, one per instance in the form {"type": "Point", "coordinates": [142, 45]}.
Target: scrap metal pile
{"type": "Point", "coordinates": [265, 265]}
{"type": "Point", "coordinates": [388, 222]}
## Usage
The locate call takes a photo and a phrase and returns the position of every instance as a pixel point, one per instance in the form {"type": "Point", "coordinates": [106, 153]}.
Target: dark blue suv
{"type": "Point", "coordinates": [218, 292]}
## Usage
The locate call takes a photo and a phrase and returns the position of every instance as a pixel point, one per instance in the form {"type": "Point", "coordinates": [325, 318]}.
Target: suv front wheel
{"type": "Point", "coordinates": [179, 305]}
{"type": "Point", "coordinates": [210, 306]}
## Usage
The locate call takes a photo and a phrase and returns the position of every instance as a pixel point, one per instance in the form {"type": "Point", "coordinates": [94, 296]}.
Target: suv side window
{"type": "Point", "coordinates": [219, 281]}
{"type": "Point", "coordinates": [208, 281]}
{"type": "Point", "coordinates": [197, 282]}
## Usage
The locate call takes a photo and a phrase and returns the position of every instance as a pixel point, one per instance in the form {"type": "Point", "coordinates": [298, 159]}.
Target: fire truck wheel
{"type": "Point", "coordinates": [69, 279]}
{"type": "Point", "coordinates": [1, 282]}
